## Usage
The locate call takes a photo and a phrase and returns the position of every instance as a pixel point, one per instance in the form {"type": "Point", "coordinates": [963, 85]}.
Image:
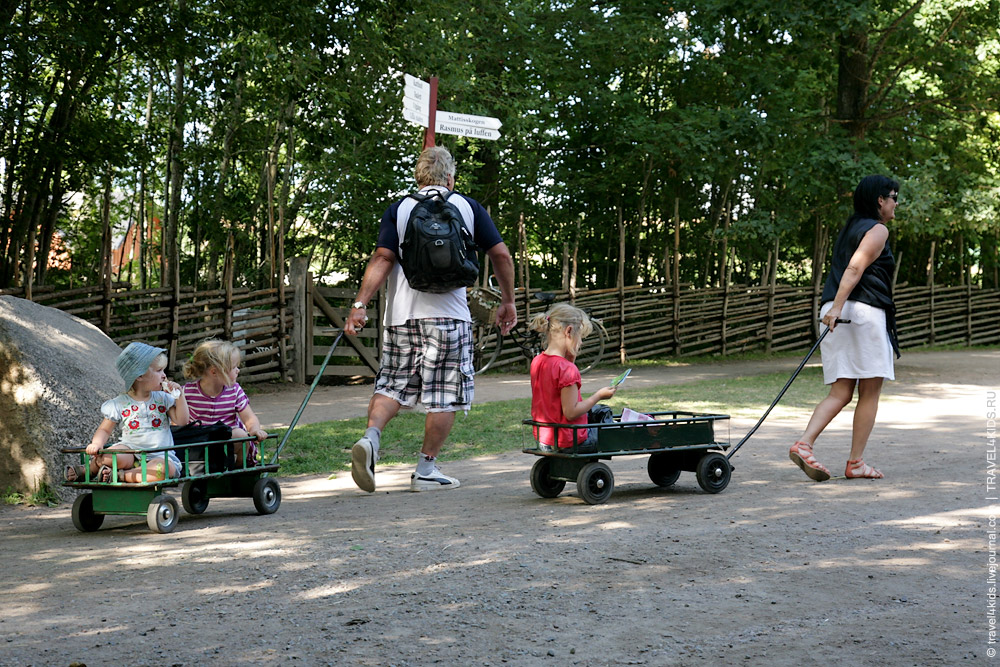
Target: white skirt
{"type": "Point", "coordinates": [860, 349]}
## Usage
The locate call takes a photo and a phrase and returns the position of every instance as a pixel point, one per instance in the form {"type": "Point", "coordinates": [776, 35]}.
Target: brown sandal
{"type": "Point", "coordinates": [79, 473]}
{"type": "Point", "coordinates": [802, 455]}
{"type": "Point", "coordinates": [858, 469]}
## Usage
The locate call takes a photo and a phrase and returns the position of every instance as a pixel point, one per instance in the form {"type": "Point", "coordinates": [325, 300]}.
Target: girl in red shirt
{"type": "Point", "coordinates": [555, 379]}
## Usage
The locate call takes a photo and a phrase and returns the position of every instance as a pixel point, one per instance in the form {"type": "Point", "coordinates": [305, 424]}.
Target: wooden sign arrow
{"type": "Point", "coordinates": [445, 127]}
{"type": "Point", "coordinates": [488, 122]}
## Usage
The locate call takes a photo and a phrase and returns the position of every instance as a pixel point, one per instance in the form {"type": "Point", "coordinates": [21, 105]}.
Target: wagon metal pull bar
{"type": "Point", "coordinates": [305, 401]}
{"type": "Point", "coordinates": [781, 393]}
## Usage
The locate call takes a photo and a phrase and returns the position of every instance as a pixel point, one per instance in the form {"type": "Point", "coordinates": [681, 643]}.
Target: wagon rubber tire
{"type": "Point", "coordinates": [541, 481]}
{"type": "Point", "coordinates": [162, 514]}
{"type": "Point", "coordinates": [595, 483]}
{"type": "Point", "coordinates": [266, 495]}
{"type": "Point", "coordinates": [194, 497]}
{"type": "Point", "coordinates": [661, 469]}
{"type": "Point", "coordinates": [714, 472]}
{"type": "Point", "coordinates": [84, 518]}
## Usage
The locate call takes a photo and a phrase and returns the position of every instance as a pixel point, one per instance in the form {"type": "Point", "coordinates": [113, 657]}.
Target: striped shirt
{"type": "Point", "coordinates": [223, 408]}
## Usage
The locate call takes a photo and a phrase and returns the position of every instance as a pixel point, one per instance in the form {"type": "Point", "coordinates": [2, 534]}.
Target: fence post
{"type": "Point", "coordinates": [676, 278]}
{"type": "Point", "coordinates": [300, 280]}
{"type": "Point", "coordinates": [771, 289]}
{"type": "Point", "coordinates": [968, 313]}
{"type": "Point", "coordinates": [621, 285]}
{"type": "Point", "coordinates": [227, 277]}
{"type": "Point", "coordinates": [933, 334]}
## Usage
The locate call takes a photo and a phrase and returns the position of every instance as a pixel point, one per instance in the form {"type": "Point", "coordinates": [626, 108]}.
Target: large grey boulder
{"type": "Point", "coordinates": [55, 371]}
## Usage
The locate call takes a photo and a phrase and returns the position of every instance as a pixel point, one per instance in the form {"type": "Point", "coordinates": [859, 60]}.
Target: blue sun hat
{"type": "Point", "coordinates": [134, 361]}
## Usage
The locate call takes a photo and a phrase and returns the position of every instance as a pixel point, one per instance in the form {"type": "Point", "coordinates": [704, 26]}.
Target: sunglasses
{"type": "Point", "coordinates": [894, 196]}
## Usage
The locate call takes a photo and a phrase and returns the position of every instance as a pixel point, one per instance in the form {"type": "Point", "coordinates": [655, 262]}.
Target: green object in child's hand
{"type": "Point", "coordinates": [621, 378]}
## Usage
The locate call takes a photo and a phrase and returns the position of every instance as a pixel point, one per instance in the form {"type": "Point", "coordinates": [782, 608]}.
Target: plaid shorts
{"type": "Point", "coordinates": [429, 360]}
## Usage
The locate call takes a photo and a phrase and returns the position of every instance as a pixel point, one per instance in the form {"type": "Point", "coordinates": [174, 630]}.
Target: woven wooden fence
{"type": "Point", "coordinates": [253, 319]}
{"type": "Point", "coordinates": [660, 323]}
{"type": "Point", "coordinates": [642, 321]}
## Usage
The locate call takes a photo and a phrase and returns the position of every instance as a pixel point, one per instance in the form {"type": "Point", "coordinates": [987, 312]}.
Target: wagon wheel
{"type": "Point", "coordinates": [266, 495]}
{"type": "Point", "coordinates": [662, 470]}
{"type": "Point", "coordinates": [84, 518]}
{"type": "Point", "coordinates": [194, 497]}
{"type": "Point", "coordinates": [541, 480]}
{"type": "Point", "coordinates": [713, 472]}
{"type": "Point", "coordinates": [595, 483]}
{"type": "Point", "coordinates": [162, 514]}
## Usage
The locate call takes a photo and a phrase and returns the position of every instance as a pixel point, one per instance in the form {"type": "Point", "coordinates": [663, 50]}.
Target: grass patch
{"type": "Point", "coordinates": [493, 428]}
{"type": "Point", "coordinates": [43, 495]}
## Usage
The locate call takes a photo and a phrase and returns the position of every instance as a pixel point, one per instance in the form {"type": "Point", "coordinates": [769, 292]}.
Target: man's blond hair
{"type": "Point", "coordinates": [434, 166]}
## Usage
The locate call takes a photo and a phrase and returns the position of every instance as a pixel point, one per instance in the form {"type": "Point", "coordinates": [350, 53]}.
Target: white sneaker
{"type": "Point", "coordinates": [363, 464]}
{"type": "Point", "coordinates": [432, 482]}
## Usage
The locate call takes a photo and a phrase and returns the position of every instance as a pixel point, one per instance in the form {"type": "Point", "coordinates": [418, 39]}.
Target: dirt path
{"type": "Point", "coordinates": [775, 570]}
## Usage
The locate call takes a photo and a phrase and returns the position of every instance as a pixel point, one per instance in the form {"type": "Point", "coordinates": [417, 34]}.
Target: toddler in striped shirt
{"type": "Point", "coordinates": [213, 394]}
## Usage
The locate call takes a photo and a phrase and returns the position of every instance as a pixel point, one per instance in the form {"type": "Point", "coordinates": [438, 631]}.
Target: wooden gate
{"type": "Point", "coordinates": [322, 310]}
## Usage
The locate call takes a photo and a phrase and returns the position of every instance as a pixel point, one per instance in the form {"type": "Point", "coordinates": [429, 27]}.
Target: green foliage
{"type": "Point", "coordinates": [43, 495]}
{"type": "Point", "coordinates": [732, 111]}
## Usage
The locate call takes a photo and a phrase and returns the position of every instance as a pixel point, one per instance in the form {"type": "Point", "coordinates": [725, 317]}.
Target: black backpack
{"type": "Point", "coordinates": [439, 253]}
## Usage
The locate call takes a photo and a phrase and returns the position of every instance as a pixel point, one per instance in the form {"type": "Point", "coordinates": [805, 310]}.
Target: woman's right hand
{"type": "Point", "coordinates": [832, 315]}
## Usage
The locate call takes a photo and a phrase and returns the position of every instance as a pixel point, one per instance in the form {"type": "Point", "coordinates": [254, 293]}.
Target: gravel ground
{"type": "Point", "coordinates": [775, 570]}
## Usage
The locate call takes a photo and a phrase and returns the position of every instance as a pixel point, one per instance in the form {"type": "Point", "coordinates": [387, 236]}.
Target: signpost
{"type": "Point", "coordinates": [416, 100]}
{"type": "Point", "coordinates": [420, 107]}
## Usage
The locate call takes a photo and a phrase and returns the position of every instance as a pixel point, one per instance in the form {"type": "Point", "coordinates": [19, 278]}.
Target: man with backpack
{"type": "Point", "coordinates": [426, 250]}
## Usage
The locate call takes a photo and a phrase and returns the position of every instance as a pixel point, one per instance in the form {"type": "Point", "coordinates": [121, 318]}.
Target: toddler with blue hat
{"type": "Point", "coordinates": [145, 408]}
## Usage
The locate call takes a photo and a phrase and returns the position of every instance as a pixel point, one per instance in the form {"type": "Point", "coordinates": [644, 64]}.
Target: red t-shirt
{"type": "Point", "coordinates": [549, 374]}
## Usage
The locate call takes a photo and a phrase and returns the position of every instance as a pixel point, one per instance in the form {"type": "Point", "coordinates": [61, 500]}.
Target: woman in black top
{"type": "Point", "coordinates": [859, 354]}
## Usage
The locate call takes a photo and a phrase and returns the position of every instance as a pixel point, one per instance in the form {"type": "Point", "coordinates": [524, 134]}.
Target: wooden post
{"type": "Point", "coordinates": [930, 283]}
{"type": "Point", "coordinates": [300, 281]}
{"type": "Point", "coordinates": [282, 329]}
{"type": "Point", "coordinates": [621, 285]}
{"type": "Point", "coordinates": [677, 276]}
{"type": "Point", "coordinates": [105, 255]}
{"type": "Point", "coordinates": [574, 260]}
{"type": "Point", "coordinates": [227, 277]}
{"type": "Point", "coordinates": [431, 114]}
{"type": "Point", "coordinates": [725, 304]}
{"type": "Point", "coordinates": [968, 313]}
{"type": "Point", "coordinates": [771, 289]}
{"type": "Point", "coordinates": [565, 267]}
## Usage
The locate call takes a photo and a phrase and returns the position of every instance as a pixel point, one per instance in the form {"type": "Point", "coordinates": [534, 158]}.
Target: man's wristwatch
{"type": "Point", "coordinates": [358, 304]}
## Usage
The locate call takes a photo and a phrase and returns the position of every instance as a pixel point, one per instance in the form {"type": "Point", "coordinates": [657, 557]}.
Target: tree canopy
{"type": "Point", "coordinates": [735, 129]}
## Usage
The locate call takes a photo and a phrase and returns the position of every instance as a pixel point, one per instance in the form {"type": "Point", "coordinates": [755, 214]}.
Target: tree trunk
{"type": "Point", "coordinates": [172, 259]}
{"type": "Point", "coordinates": [853, 79]}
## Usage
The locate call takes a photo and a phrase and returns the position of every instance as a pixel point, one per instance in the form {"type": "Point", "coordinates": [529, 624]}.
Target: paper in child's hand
{"type": "Point", "coordinates": [621, 378]}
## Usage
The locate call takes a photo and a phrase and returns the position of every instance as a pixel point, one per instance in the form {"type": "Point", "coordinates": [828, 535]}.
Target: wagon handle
{"type": "Point", "coordinates": [305, 401]}
{"type": "Point", "coordinates": [783, 389]}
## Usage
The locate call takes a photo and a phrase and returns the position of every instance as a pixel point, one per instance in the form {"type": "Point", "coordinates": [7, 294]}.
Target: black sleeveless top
{"type": "Point", "coordinates": [875, 286]}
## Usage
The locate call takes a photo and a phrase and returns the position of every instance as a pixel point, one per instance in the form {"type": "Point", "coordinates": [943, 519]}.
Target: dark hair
{"type": "Point", "coordinates": [868, 191]}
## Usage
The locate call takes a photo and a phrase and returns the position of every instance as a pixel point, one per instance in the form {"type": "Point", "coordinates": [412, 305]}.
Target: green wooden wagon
{"type": "Point", "coordinates": [674, 442]}
{"type": "Point", "coordinates": [199, 485]}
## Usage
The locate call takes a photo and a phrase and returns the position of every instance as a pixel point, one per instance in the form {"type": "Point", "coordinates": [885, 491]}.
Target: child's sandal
{"type": "Point", "coordinates": [105, 473]}
{"type": "Point", "coordinates": [802, 455]}
{"type": "Point", "coordinates": [858, 469]}
{"type": "Point", "coordinates": [78, 472]}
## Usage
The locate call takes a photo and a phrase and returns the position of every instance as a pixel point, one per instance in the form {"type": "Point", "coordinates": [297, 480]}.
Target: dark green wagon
{"type": "Point", "coordinates": [199, 484]}
{"type": "Point", "coordinates": [674, 442]}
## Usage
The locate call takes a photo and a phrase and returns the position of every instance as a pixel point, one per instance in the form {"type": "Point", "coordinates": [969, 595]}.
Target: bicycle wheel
{"type": "Point", "coordinates": [486, 348]}
{"type": "Point", "coordinates": [592, 351]}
